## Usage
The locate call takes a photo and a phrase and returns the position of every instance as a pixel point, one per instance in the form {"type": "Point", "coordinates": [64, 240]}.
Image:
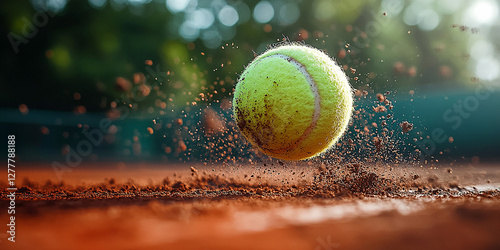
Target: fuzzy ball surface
{"type": "Point", "coordinates": [293, 102]}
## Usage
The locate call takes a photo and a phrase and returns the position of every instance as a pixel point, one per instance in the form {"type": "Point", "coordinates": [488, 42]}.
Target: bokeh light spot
{"type": "Point", "coordinates": [411, 14]}
{"type": "Point", "coordinates": [211, 38]}
{"type": "Point", "coordinates": [263, 12]}
{"type": "Point", "coordinates": [481, 12]}
{"type": "Point", "coordinates": [393, 7]}
{"type": "Point", "coordinates": [289, 13]}
{"type": "Point", "coordinates": [55, 6]}
{"type": "Point", "coordinates": [428, 20]}
{"type": "Point", "coordinates": [421, 14]}
{"type": "Point", "coordinates": [137, 3]}
{"type": "Point", "coordinates": [449, 6]}
{"type": "Point", "coordinates": [482, 49]}
{"type": "Point", "coordinates": [189, 31]}
{"type": "Point", "coordinates": [244, 12]}
{"type": "Point", "coordinates": [201, 18]}
{"type": "Point", "coordinates": [488, 69]}
{"type": "Point", "coordinates": [175, 6]}
{"type": "Point", "coordinates": [97, 3]}
{"type": "Point", "coordinates": [228, 16]}
{"type": "Point", "coordinates": [324, 10]}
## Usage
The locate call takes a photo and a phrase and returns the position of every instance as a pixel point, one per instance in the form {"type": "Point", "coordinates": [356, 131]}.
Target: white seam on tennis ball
{"type": "Point", "coordinates": [314, 88]}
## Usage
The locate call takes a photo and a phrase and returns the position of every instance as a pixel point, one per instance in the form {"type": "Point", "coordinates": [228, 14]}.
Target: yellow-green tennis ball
{"type": "Point", "coordinates": [293, 102]}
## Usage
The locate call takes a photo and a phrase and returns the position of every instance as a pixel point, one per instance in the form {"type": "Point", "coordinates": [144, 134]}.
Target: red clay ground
{"type": "Point", "coordinates": [144, 206]}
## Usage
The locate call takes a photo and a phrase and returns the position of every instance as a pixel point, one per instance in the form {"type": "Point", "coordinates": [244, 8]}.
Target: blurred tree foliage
{"type": "Point", "coordinates": [82, 49]}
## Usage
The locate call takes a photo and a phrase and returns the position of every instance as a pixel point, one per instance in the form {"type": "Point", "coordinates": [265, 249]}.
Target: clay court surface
{"type": "Point", "coordinates": [276, 206]}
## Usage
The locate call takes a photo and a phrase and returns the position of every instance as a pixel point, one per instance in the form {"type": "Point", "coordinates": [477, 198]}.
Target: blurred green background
{"type": "Point", "coordinates": [69, 66]}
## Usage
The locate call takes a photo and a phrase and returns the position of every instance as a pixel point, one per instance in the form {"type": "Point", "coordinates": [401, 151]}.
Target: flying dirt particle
{"type": "Point", "coordinates": [379, 109]}
{"type": "Point", "coordinates": [445, 71]}
{"type": "Point", "coordinates": [380, 97]}
{"type": "Point", "coordinates": [433, 178]}
{"type": "Point", "coordinates": [406, 126]}
{"type": "Point", "coordinates": [182, 146]}
{"type": "Point", "coordinates": [213, 122]}
{"type": "Point", "coordinates": [193, 170]}
{"type": "Point", "coordinates": [226, 104]}
{"type": "Point", "coordinates": [385, 13]}
{"type": "Point", "coordinates": [123, 84]}
{"type": "Point", "coordinates": [377, 142]}
{"type": "Point", "coordinates": [398, 68]}
{"type": "Point", "coordinates": [168, 150]}
{"type": "Point", "coordinates": [360, 93]}
{"type": "Point", "coordinates": [318, 34]}
{"type": "Point", "coordinates": [341, 54]}
{"type": "Point", "coordinates": [144, 89]}
{"type": "Point", "coordinates": [412, 71]}
{"type": "Point", "coordinates": [163, 105]}
{"type": "Point", "coordinates": [179, 186]}
{"type": "Point", "coordinates": [449, 170]}
{"type": "Point", "coordinates": [23, 109]}
{"type": "Point", "coordinates": [411, 92]}
{"type": "Point", "coordinates": [79, 110]}
{"type": "Point", "coordinates": [178, 121]}
{"type": "Point", "coordinates": [113, 114]}
{"type": "Point", "coordinates": [77, 96]}
{"type": "Point", "coordinates": [112, 129]}
{"type": "Point", "coordinates": [268, 28]}
{"type": "Point", "coordinates": [450, 139]}
{"type": "Point", "coordinates": [150, 130]}
{"type": "Point", "coordinates": [44, 130]}
{"type": "Point", "coordinates": [148, 62]}
{"type": "Point", "coordinates": [303, 35]}
{"type": "Point", "coordinates": [139, 78]}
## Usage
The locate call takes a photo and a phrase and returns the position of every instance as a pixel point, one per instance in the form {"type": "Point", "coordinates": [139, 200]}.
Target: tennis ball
{"type": "Point", "coordinates": [293, 102]}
